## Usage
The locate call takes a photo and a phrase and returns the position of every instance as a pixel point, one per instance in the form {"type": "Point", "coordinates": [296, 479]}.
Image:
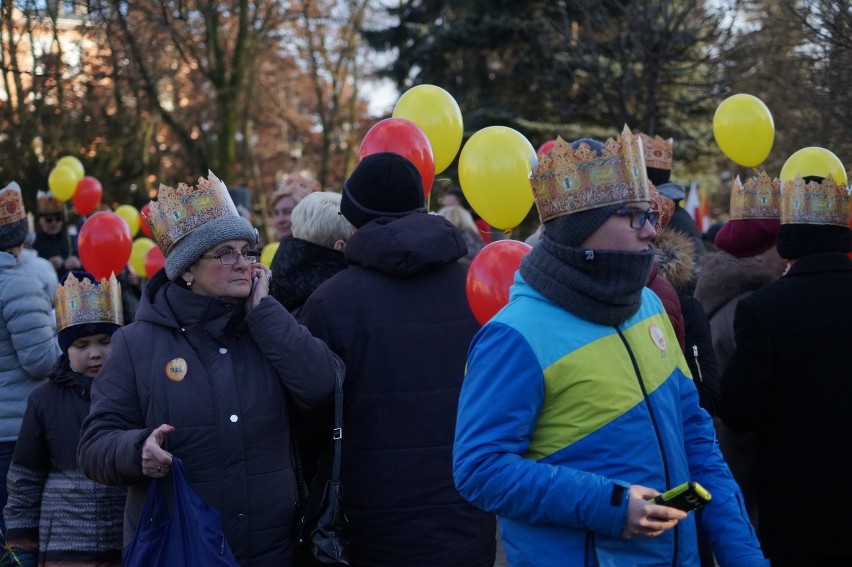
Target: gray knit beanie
{"type": "Point", "coordinates": [189, 249]}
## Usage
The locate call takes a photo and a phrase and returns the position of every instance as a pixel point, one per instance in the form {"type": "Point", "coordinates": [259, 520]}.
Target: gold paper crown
{"type": "Point", "coordinates": [758, 198]}
{"type": "Point", "coordinates": [47, 204]}
{"type": "Point", "coordinates": [81, 302]}
{"type": "Point", "coordinates": [11, 204]}
{"type": "Point", "coordinates": [179, 211]}
{"type": "Point", "coordinates": [815, 203]}
{"type": "Point", "coordinates": [664, 206]}
{"type": "Point", "coordinates": [569, 181]}
{"type": "Point", "coordinates": [658, 152]}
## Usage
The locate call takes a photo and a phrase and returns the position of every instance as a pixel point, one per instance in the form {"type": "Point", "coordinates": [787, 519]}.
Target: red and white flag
{"type": "Point", "coordinates": [697, 207]}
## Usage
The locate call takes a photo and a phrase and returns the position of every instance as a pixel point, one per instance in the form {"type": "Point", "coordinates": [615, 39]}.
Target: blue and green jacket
{"type": "Point", "coordinates": [558, 416]}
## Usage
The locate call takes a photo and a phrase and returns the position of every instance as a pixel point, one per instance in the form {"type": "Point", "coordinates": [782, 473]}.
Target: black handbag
{"type": "Point", "coordinates": [322, 527]}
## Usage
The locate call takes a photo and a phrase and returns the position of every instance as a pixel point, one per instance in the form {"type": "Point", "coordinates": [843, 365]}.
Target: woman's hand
{"type": "Point", "coordinates": [644, 518]}
{"type": "Point", "coordinates": [156, 461]}
{"type": "Point", "coordinates": [261, 275]}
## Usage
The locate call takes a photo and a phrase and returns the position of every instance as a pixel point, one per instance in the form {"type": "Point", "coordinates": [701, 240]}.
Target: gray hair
{"type": "Point", "coordinates": [316, 219]}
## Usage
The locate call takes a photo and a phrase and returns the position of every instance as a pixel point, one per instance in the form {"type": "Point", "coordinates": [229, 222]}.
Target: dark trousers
{"type": "Point", "coordinates": [6, 450]}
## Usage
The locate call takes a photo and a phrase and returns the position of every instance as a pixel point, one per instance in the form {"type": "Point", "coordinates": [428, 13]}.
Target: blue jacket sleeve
{"type": "Point", "coordinates": [498, 410]}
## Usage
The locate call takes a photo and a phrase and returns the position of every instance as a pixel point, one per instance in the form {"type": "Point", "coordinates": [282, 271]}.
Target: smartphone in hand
{"type": "Point", "coordinates": [687, 497]}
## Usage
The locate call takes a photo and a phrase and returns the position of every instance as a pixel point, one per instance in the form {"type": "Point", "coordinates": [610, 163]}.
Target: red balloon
{"type": "Point", "coordinates": [104, 244]}
{"type": "Point", "coordinates": [490, 276]}
{"type": "Point", "coordinates": [545, 147]}
{"type": "Point", "coordinates": [143, 223]}
{"type": "Point", "coordinates": [154, 261]}
{"type": "Point", "coordinates": [87, 195]}
{"type": "Point", "coordinates": [405, 138]}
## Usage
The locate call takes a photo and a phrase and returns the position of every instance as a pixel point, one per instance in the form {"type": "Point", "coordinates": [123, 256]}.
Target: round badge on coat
{"type": "Point", "coordinates": [658, 337]}
{"type": "Point", "coordinates": [176, 369]}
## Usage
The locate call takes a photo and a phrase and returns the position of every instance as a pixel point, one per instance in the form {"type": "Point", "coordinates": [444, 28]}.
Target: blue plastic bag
{"type": "Point", "coordinates": [192, 536]}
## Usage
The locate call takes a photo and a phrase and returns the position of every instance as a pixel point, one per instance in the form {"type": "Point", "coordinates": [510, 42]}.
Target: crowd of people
{"type": "Point", "coordinates": [629, 359]}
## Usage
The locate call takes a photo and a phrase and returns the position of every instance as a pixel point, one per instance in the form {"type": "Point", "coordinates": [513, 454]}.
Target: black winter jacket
{"type": "Point", "coordinates": [54, 511]}
{"type": "Point", "coordinates": [227, 406]}
{"type": "Point", "coordinates": [789, 381]}
{"type": "Point", "coordinates": [298, 268]}
{"type": "Point", "coordinates": [399, 318]}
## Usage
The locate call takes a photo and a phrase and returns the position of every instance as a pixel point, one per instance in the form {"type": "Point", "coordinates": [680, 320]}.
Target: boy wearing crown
{"type": "Point", "coordinates": [578, 405]}
{"type": "Point", "coordinates": [788, 379]}
{"type": "Point", "coordinates": [55, 515]}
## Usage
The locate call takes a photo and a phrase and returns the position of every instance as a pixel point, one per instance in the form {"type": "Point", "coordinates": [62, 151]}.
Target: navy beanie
{"type": "Point", "coordinates": [13, 234]}
{"type": "Point", "coordinates": [68, 335]}
{"type": "Point", "coordinates": [383, 185]}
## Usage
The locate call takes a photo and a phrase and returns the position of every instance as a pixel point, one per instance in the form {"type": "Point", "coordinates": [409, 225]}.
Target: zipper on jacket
{"type": "Point", "coordinates": [656, 427]}
{"type": "Point", "coordinates": [697, 364]}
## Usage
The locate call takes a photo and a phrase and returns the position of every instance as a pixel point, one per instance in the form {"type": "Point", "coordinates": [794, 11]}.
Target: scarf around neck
{"type": "Point", "coordinates": [601, 286]}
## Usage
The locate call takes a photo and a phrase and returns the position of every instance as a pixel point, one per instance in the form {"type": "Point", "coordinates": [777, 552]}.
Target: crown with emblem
{"type": "Point", "coordinates": [658, 152]}
{"type": "Point", "coordinates": [569, 180]}
{"type": "Point", "coordinates": [11, 204]}
{"type": "Point", "coordinates": [809, 202]}
{"type": "Point", "coordinates": [178, 211]}
{"type": "Point", "coordinates": [758, 198]}
{"type": "Point", "coordinates": [82, 302]}
{"type": "Point", "coordinates": [47, 203]}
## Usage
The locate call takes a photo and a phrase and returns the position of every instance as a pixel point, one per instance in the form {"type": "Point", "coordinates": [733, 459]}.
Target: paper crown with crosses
{"type": "Point", "coordinates": [11, 205]}
{"type": "Point", "coordinates": [82, 302]}
{"type": "Point", "coordinates": [658, 152]}
{"type": "Point", "coordinates": [178, 211]}
{"type": "Point", "coordinates": [569, 180]}
{"type": "Point", "coordinates": [815, 203]}
{"type": "Point", "coordinates": [47, 204]}
{"type": "Point", "coordinates": [758, 198]}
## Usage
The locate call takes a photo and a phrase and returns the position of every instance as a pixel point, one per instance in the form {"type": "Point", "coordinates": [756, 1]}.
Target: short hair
{"type": "Point", "coordinates": [316, 219]}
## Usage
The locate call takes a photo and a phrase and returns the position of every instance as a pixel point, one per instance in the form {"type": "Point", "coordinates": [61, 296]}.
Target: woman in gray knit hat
{"type": "Point", "coordinates": [204, 374]}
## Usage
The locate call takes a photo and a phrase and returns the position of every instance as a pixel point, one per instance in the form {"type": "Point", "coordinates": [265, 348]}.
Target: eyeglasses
{"type": "Point", "coordinates": [52, 218]}
{"type": "Point", "coordinates": [638, 217]}
{"type": "Point", "coordinates": [229, 257]}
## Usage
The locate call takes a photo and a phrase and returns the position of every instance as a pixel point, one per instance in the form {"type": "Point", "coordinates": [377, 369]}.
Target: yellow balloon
{"type": "Point", "coordinates": [130, 214]}
{"type": "Point", "coordinates": [436, 112]}
{"type": "Point", "coordinates": [74, 164]}
{"type": "Point", "coordinates": [744, 129]}
{"type": "Point", "coordinates": [814, 161]}
{"type": "Point", "coordinates": [268, 253]}
{"type": "Point", "coordinates": [495, 166]}
{"type": "Point", "coordinates": [62, 182]}
{"type": "Point", "coordinates": [138, 251]}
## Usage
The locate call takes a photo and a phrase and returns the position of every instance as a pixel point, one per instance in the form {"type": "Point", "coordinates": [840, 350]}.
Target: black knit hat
{"type": "Point", "coordinates": [383, 185]}
{"type": "Point", "coordinates": [799, 240]}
